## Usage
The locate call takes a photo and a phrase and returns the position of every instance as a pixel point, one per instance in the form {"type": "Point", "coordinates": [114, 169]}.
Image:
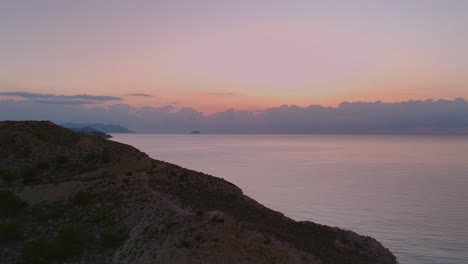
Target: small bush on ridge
{"type": "Point", "coordinates": [10, 231]}
{"type": "Point", "coordinates": [10, 204]}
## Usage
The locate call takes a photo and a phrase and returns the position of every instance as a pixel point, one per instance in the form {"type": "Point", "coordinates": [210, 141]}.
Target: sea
{"type": "Point", "coordinates": [408, 192]}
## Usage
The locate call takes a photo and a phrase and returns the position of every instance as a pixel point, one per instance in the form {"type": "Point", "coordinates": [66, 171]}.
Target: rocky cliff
{"type": "Point", "coordinates": [73, 198]}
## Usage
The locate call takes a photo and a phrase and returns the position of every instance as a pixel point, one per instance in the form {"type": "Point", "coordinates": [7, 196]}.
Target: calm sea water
{"type": "Point", "coordinates": [409, 192]}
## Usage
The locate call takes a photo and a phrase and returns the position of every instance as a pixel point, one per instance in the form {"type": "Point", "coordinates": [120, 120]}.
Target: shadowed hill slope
{"type": "Point", "coordinates": [82, 199]}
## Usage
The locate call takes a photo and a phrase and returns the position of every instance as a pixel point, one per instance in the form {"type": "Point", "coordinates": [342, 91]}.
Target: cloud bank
{"type": "Point", "coordinates": [140, 95]}
{"type": "Point", "coordinates": [410, 117]}
{"type": "Point", "coordinates": [61, 99]}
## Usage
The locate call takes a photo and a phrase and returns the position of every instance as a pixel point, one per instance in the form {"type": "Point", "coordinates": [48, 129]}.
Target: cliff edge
{"type": "Point", "coordinates": [74, 198]}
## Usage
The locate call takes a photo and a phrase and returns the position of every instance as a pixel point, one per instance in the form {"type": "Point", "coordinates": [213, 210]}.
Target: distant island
{"type": "Point", "coordinates": [68, 197]}
{"type": "Point", "coordinates": [195, 132]}
{"type": "Point", "coordinates": [106, 128]}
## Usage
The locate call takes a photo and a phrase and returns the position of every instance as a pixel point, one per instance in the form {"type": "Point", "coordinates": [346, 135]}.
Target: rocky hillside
{"type": "Point", "coordinates": [72, 198]}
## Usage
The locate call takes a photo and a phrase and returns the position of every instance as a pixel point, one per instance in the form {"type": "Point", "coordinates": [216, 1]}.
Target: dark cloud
{"type": "Point", "coordinates": [64, 102]}
{"type": "Point", "coordinates": [28, 95]}
{"type": "Point", "coordinates": [92, 97]}
{"type": "Point", "coordinates": [411, 117]}
{"type": "Point", "coordinates": [140, 95]}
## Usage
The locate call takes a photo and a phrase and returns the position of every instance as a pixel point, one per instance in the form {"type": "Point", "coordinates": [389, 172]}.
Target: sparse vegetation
{"type": "Point", "coordinates": [37, 251]}
{"type": "Point", "coordinates": [82, 198]}
{"type": "Point", "coordinates": [10, 231]}
{"type": "Point", "coordinates": [185, 244]}
{"type": "Point", "coordinates": [111, 238]}
{"type": "Point", "coordinates": [43, 165]}
{"type": "Point", "coordinates": [61, 160]}
{"type": "Point", "coordinates": [105, 156]}
{"type": "Point", "coordinates": [55, 210]}
{"type": "Point", "coordinates": [217, 220]}
{"type": "Point", "coordinates": [103, 219]}
{"type": "Point", "coordinates": [6, 176]}
{"type": "Point", "coordinates": [69, 242]}
{"type": "Point", "coordinates": [10, 204]}
{"type": "Point", "coordinates": [40, 135]}
{"type": "Point", "coordinates": [26, 153]}
{"type": "Point", "coordinates": [30, 175]}
{"type": "Point", "coordinates": [169, 224]}
{"type": "Point", "coordinates": [89, 157]}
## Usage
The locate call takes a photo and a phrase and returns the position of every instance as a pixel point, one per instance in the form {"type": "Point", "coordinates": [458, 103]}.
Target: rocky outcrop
{"type": "Point", "coordinates": [120, 206]}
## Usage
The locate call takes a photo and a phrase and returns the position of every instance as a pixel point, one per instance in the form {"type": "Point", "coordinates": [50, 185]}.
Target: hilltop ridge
{"type": "Point", "coordinates": [78, 198]}
{"type": "Point", "coordinates": [105, 128]}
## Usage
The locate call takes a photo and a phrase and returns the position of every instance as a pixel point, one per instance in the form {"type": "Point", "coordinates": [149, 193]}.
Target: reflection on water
{"type": "Point", "coordinates": [409, 192]}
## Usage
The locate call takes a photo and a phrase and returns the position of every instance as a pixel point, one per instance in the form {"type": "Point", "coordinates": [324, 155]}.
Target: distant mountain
{"type": "Point", "coordinates": [106, 128]}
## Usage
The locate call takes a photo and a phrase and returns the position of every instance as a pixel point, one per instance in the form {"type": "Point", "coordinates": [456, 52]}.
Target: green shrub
{"type": "Point", "coordinates": [37, 251]}
{"type": "Point", "coordinates": [69, 242]}
{"type": "Point", "coordinates": [38, 212]}
{"type": "Point", "coordinates": [103, 219]}
{"type": "Point", "coordinates": [105, 156]}
{"type": "Point", "coordinates": [10, 204]}
{"type": "Point", "coordinates": [10, 231]}
{"type": "Point", "coordinates": [82, 198]}
{"type": "Point", "coordinates": [6, 176]}
{"type": "Point", "coordinates": [30, 175]}
{"type": "Point", "coordinates": [91, 156]}
{"type": "Point", "coordinates": [185, 244]}
{"type": "Point", "coordinates": [111, 238]}
{"type": "Point", "coordinates": [61, 160]}
{"type": "Point", "coordinates": [26, 153]}
{"type": "Point", "coordinates": [200, 212]}
{"type": "Point", "coordinates": [41, 135]}
{"type": "Point", "coordinates": [43, 165]}
{"type": "Point", "coordinates": [55, 210]}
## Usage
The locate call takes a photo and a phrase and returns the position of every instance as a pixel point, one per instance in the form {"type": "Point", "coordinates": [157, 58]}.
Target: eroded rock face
{"type": "Point", "coordinates": [129, 208]}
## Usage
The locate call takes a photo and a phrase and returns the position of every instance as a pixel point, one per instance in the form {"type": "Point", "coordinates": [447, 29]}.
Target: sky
{"type": "Point", "coordinates": [214, 55]}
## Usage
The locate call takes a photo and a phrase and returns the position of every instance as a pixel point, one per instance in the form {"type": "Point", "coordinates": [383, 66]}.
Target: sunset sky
{"type": "Point", "coordinates": [214, 54]}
